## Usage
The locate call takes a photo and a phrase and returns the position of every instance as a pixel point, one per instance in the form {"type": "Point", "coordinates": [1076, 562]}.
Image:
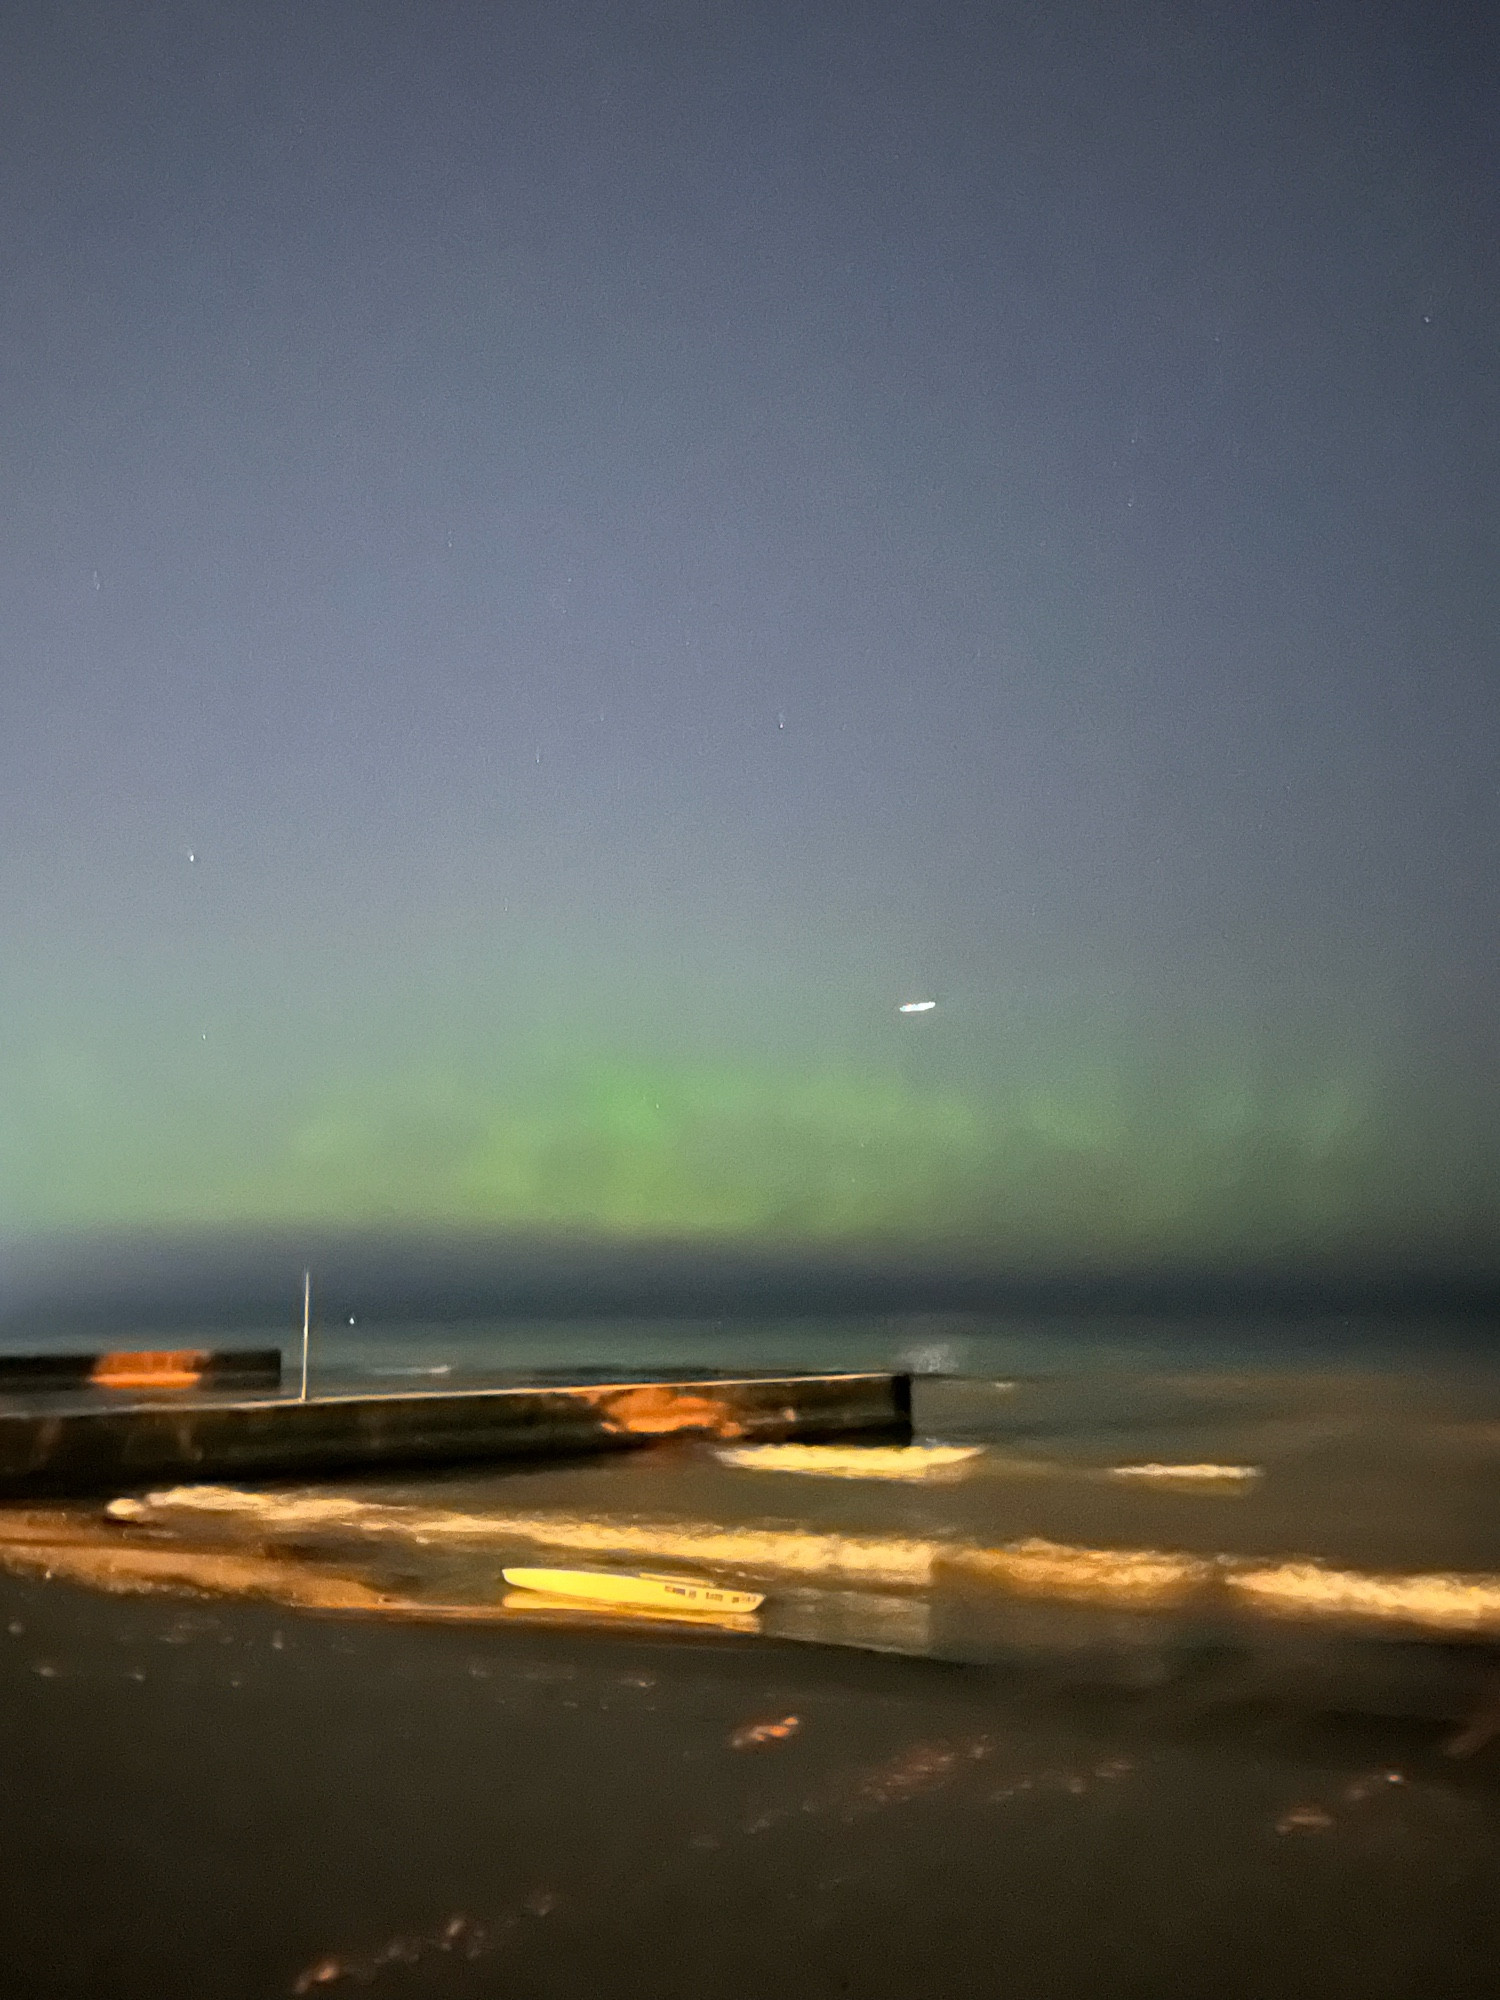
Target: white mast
{"type": "Point", "coordinates": [306, 1325]}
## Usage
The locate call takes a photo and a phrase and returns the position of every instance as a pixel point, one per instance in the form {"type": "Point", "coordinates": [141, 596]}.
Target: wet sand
{"type": "Point", "coordinates": [227, 1798]}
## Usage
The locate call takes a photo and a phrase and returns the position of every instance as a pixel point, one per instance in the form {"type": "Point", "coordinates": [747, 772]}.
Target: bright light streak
{"type": "Point", "coordinates": [916, 1006]}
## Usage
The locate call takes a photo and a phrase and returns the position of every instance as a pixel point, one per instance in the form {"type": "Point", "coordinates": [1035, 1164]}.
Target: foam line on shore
{"type": "Point", "coordinates": [855, 1558]}
{"type": "Point", "coordinates": [1440, 1601]}
{"type": "Point", "coordinates": [1121, 1578]}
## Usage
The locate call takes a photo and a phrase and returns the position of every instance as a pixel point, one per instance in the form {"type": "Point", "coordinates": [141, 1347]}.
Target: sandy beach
{"type": "Point", "coordinates": [228, 1798]}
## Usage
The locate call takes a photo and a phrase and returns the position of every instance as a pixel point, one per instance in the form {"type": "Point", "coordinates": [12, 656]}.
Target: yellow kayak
{"type": "Point", "coordinates": [636, 1588]}
{"type": "Point", "coordinates": [540, 1604]}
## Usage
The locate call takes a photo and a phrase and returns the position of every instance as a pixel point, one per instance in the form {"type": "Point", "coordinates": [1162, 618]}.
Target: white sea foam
{"type": "Point", "coordinates": [1206, 1475]}
{"type": "Point", "coordinates": [1137, 1578]}
{"type": "Point", "coordinates": [834, 1461]}
{"type": "Point", "coordinates": [864, 1558]}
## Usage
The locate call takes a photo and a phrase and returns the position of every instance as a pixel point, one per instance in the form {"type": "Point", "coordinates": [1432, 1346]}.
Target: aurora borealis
{"type": "Point", "coordinates": [562, 562]}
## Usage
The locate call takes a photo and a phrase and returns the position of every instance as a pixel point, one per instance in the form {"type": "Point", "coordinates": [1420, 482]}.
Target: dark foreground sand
{"type": "Point", "coordinates": [224, 1799]}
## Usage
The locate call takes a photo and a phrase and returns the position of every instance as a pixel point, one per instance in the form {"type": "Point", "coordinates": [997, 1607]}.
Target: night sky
{"type": "Point", "coordinates": [559, 562]}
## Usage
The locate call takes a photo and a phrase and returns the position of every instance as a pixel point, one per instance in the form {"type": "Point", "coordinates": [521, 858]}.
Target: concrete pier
{"type": "Point", "coordinates": [110, 1450]}
{"type": "Point", "coordinates": [150, 1369]}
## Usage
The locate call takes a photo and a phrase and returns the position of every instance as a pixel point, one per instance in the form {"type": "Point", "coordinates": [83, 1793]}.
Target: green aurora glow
{"type": "Point", "coordinates": [1108, 1164]}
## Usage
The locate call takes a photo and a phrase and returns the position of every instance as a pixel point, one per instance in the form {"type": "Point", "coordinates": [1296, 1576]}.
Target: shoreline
{"type": "Point", "coordinates": [225, 1796]}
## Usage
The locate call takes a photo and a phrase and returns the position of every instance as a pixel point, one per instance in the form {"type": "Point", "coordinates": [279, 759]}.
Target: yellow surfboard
{"type": "Point", "coordinates": [633, 1587]}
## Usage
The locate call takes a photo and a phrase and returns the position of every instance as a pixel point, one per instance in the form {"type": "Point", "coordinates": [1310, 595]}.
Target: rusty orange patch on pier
{"type": "Point", "coordinates": [654, 1409]}
{"type": "Point", "coordinates": [162, 1368]}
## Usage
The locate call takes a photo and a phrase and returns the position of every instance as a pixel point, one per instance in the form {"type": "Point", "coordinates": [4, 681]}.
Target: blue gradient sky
{"type": "Point", "coordinates": [559, 561]}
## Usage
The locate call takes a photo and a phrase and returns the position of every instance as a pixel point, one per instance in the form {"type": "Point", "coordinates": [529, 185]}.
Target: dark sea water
{"type": "Point", "coordinates": [345, 1353]}
{"type": "Point", "coordinates": [1369, 1450]}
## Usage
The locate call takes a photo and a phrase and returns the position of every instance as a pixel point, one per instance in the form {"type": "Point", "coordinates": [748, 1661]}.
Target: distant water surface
{"type": "Point", "coordinates": [345, 1354]}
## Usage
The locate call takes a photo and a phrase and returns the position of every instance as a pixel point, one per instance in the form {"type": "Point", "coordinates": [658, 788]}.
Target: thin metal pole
{"type": "Point", "coordinates": [306, 1326]}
